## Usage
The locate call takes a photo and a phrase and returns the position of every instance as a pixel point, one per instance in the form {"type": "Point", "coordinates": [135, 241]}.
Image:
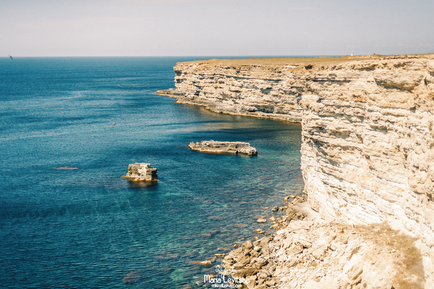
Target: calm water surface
{"type": "Point", "coordinates": [89, 227]}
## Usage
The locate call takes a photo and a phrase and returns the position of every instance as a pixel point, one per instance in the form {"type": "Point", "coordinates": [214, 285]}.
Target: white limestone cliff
{"type": "Point", "coordinates": [261, 91]}
{"type": "Point", "coordinates": [367, 131]}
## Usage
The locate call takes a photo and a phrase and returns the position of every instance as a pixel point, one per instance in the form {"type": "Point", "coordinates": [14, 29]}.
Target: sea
{"type": "Point", "coordinates": [85, 226]}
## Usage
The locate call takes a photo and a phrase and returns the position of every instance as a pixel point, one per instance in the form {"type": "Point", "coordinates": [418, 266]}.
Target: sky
{"type": "Point", "coordinates": [215, 27]}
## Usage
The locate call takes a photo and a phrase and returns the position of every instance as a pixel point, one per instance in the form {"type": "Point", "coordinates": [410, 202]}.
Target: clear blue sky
{"type": "Point", "coordinates": [214, 27]}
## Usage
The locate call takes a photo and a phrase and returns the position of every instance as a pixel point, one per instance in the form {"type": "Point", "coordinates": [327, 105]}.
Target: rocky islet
{"type": "Point", "coordinates": [141, 172]}
{"type": "Point", "coordinates": [223, 147]}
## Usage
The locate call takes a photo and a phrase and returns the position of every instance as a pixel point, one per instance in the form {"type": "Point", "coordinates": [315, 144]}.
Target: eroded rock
{"type": "Point", "coordinates": [223, 147]}
{"type": "Point", "coordinates": [261, 220]}
{"type": "Point", "coordinates": [141, 172]}
{"type": "Point", "coordinates": [312, 253]}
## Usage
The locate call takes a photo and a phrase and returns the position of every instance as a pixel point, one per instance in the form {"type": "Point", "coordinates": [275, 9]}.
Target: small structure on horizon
{"type": "Point", "coordinates": [141, 172]}
{"type": "Point", "coordinates": [352, 53]}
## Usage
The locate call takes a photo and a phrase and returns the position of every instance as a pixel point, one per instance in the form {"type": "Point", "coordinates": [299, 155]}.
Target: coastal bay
{"type": "Point", "coordinates": [88, 226]}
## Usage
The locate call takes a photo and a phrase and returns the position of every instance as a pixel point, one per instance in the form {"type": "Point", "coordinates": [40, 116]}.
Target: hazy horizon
{"type": "Point", "coordinates": [202, 28]}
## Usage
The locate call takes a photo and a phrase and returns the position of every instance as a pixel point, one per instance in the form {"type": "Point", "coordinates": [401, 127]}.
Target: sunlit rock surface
{"type": "Point", "coordinates": [141, 172]}
{"type": "Point", "coordinates": [223, 147]}
{"type": "Point", "coordinates": [309, 252]}
{"type": "Point", "coordinates": [367, 134]}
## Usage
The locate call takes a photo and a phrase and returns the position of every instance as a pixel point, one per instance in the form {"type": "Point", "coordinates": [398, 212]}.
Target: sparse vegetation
{"type": "Point", "coordinates": [410, 272]}
{"type": "Point", "coordinates": [308, 60]}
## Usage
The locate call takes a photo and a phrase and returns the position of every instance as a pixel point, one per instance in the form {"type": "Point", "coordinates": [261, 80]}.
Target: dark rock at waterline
{"type": "Point", "coordinates": [132, 277]}
{"type": "Point", "coordinates": [275, 209]}
{"type": "Point", "coordinates": [65, 168]}
{"type": "Point", "coordinates": [223, 147]}
{"type": "Point", "coordinates": [135, 184]}
{"type": "Point", "coordinates": [172, 93]}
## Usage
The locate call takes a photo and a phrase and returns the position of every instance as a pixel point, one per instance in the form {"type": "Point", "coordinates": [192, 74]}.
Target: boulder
{"type": "Point", "coordinates": [223, 147]}
{"type": "Point", "coordinates": [141, 172]}
{"type": "Point", "coordinates": [261, 220]}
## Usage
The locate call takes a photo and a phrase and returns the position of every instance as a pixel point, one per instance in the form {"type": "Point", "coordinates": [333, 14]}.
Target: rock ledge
{"type": "Point", "coordinates": [223, 147]}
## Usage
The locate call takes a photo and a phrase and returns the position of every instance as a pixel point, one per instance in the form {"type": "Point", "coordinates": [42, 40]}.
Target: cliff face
{"type": "Point", "coordinates": [367, 151]}
{"type": "Point", "coordinates": [255, 90]}
{"type": "Point", "coordinates": [367, 129]}
{"type": "Point", "coordinates": [368, 146]}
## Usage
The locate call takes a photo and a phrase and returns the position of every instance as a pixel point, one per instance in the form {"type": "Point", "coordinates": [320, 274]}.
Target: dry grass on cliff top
{"type": "Point", "coordinates": [308, 60]}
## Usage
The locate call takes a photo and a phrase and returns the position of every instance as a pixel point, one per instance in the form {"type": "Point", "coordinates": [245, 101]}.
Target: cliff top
{"type": "Point", "coordinates": [308, 60]}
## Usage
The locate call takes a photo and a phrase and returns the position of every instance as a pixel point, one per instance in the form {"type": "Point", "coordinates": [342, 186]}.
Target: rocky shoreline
{"type": "Point", "coordinates": [367, 163]}
{"type": "Point", "coordinates": [302, 250]}
{"type": "Point", "coordinates": [259, 111]}
{"type": "Point", "coordinates": [305, 251]}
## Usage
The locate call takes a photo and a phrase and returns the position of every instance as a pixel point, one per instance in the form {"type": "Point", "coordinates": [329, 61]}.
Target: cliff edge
{"type": "Point", "coordinates": [367, 132]}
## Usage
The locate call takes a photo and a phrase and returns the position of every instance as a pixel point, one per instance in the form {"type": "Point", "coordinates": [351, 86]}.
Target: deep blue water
{"type": "Point", "coordinates": [89, 228]}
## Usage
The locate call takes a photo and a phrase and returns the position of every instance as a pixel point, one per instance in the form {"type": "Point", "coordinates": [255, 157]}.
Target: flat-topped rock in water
{"type": "Point", "coordinates": [223, 147]}
{"type": "Point", "coordinates": [141, 172]}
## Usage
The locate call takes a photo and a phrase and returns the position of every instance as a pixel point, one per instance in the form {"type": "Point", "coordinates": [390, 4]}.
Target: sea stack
{"type": "Point", "coordinates": [141, 172]}
{"type": "Point", "coordinates": [223, 147]}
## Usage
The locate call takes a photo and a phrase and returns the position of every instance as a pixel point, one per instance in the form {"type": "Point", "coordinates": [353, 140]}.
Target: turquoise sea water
{"type": "Point", "coordinates": [89, 227]}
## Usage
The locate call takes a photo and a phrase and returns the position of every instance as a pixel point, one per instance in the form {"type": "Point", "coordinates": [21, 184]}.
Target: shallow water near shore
{"type": "Point", "coordinates": [87, 227]}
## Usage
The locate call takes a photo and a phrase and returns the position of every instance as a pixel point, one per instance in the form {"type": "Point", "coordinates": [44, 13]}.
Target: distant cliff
{"type": "Point", "coordinates": [269, 91]}
{"type": "Point", "coordinates": [367, 130]}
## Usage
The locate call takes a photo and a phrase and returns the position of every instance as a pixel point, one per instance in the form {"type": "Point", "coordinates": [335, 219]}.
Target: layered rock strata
{"type": "Point", "coordinates": [312, 253]}
{"type": "Point", "coordinates": [367, 133]}
{"type": "Point", "coordinates": [141, 172]}
{"type": "Point", "coordinates": [223, 147]}
{"type": "Point", "coordinates": [367, 146]}
{"type": "Point", "coordinates": [257, 90]}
